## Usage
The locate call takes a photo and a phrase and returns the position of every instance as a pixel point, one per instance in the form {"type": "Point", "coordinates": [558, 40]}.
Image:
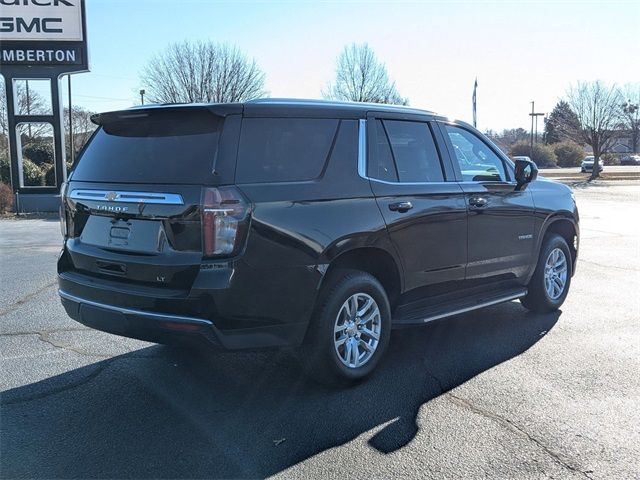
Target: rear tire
{"type": "Point", "coordinates": [349, 331]}
{"type": "Point", "coordinates": [549, 285]}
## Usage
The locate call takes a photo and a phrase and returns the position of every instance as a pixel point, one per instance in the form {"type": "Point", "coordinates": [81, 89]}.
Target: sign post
{"type": "Point", "coordinates": [40, 40]}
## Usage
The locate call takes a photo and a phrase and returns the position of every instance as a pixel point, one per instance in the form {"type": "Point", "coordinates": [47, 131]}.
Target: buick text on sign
{"type": "Point", "coordinates": [41, 20]}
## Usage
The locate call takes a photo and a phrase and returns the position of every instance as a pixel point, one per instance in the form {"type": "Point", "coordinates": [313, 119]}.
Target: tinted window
{"type": "Point", "coordinates": [283, 149]}
{"type": "Point", "coordinates": [162, 147]}
{"type": "Point", "coordinates": [381, 165]}
{"type": "Point", "coordinates": [478, 163]}
{"type": "Point", "coordinates": [414, 151]}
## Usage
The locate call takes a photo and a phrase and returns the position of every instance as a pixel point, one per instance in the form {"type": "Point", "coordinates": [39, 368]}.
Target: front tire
{"type": "Point", "coordinates": [550, 282]}
{"type": "Point", "coordinates": [350, 329]}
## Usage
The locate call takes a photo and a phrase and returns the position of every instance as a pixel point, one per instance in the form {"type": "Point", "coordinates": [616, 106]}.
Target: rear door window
{"type": "Point", "coordinates": [156, 147]}
{"type": "Point", "coordinates": [382, 165]}
{"type": "Point", "coordinates": [406, 152]}
{"type": "Point", "coordinates": [414, 151]}
{"type": "Point", "coordinates": [284, 149]}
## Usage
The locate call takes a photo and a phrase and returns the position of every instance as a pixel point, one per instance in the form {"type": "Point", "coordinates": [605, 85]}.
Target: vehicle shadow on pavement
{"type": "Point", "coordinates": [168, 413]}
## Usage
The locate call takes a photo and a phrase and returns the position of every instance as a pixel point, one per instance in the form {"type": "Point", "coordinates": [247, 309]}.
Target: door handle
{"type": "Point", "coordinates": [400, 207]}
{"type": "Point", "coordinates": [478, 202]}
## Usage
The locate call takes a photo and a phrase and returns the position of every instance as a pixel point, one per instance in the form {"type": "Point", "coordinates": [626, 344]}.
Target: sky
{"type": "Point", "coordinates": [519, 51]}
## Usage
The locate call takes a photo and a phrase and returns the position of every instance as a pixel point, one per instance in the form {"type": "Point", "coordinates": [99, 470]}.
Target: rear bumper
{"type": "Point", "coordinates": [150, 326]}
{"type": "Point", "coordinates": [80, 303]}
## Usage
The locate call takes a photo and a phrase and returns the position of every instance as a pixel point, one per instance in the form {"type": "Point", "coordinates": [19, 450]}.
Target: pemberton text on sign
{"type": "Point", "coordinates": [30, 56]}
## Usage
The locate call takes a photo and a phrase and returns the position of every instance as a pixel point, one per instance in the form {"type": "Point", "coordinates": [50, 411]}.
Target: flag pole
{"type": "Point", "coordinates": [475, 116]}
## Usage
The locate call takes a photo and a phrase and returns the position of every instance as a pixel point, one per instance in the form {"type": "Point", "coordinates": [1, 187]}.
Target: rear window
{"type": "Point", "coordinates": [284, 149]}
{"type": "Point", "coordinates": [157, 147]}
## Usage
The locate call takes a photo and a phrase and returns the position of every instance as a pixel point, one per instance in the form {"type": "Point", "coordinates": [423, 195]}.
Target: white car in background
{"type": "Point", "coordinates": [587, 164]}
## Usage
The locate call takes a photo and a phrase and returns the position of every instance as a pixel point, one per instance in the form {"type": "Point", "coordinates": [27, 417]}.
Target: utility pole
{"type": "Point", "coordinates": [535, 136]}
{"type": "Point", "coordinates": [533, 115]}
{"type": "Point", "coordinates": [142, 92]}
{"type": "Point", "coordinates": [531, 141]}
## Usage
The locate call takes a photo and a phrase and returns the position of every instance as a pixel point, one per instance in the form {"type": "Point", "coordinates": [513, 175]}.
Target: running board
{"type": "Point", "coordinates": [418, 313]}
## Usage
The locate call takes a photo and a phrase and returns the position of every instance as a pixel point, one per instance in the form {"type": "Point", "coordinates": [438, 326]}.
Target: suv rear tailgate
{"type": "Point", "coordinates": [156, 239]}
{"type": "Point", "coordinates": [133, 203]}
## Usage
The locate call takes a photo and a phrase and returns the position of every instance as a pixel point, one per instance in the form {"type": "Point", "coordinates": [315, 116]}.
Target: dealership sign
{"type": "Point", "coordinates": [44, 33]}
{"type": "Point", "coordinates": [40, 41]}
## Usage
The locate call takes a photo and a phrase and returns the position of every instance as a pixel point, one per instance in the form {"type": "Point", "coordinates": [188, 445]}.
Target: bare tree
{"type": "Point", "coordinates": [26, 104]}
{"type": "Point", "coordinates": [597, 108]}
{"type": "Point", "coordinates": [4, 127]}
{"type": "Point", "coordinates": [83, 127]}
{"type": "Point", "coordinates": [507, 137]}
{"type": "Point", "coordinates": [631, 113]}
{"type": "Point", "coordinates": [361, 77]}
{"type": "Point", "coordinates": [191, 72]}
{"type": "Point", "coordinates": [32, 104]}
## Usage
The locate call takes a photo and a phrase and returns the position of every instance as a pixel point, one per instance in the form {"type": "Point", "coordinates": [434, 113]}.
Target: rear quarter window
{"type": "Point", "coordinates": [284, 149]}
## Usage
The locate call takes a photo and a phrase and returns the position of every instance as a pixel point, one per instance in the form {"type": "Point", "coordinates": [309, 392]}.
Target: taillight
{"type": "Point", "coordinates": [63, 211]}
{"type": "Point", "coordinates": [225, 218]}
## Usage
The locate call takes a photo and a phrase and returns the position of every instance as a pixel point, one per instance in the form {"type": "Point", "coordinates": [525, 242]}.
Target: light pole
{"type": "Point", "coordinates": [71, 142]}
{"type": "Point", "coordinates": [142, 92]}
{"type": "Point", "coordinates": [28, 106]}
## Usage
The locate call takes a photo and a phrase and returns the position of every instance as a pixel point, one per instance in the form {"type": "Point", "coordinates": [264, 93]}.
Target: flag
{"type": "Point", "coordinates": [475, 88]}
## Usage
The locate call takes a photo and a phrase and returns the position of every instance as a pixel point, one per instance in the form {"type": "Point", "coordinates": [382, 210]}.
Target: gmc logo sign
{"type": "Point", "coordinates": [46, 25]}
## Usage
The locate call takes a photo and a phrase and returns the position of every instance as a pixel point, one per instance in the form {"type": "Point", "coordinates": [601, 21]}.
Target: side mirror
{"type": "Point", "coordinates": [526, 172]}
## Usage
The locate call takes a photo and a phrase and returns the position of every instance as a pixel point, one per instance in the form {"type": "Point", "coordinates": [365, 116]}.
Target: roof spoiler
{"type": "Point", "coordinates": [218, 109]}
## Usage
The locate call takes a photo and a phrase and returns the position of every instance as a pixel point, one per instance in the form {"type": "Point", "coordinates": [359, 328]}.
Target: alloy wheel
{"type": "Point", "coordinates": [357, 330]}
{"type": "Point", "coordinates": [555, 273]}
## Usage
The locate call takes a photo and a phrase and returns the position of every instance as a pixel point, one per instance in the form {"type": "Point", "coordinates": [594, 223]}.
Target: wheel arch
{"type": "Point", "coordinates": [568, 229]}
{"type": "Point", "coordinates": [373, 260]}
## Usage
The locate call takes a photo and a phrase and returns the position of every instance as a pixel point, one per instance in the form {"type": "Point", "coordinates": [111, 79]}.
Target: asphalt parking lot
{"type": "Point", "coordinates": [496, 393]}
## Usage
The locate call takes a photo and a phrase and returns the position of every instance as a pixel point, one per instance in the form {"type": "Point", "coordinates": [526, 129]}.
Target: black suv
{"type": "Point", "coordinates": [320, 224]}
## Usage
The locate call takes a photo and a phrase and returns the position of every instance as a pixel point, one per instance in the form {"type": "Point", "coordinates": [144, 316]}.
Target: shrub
{"type": "Point", "coordinates": [610, 158]}
{"type": "Point", "coordinates": [33, 174]}
{"type": "Point", "coordinates": [50, 175]}
{"type": "Point", "coordinates": [5, 171]}
{"type": "Point", "coordinates": [6, 198]}
{"type": "Point", "coordinates": [568, 153]}
{"type": "Point", "coordinates": [39, 152]}
{"type": "Point", "coordinates": [542, 155]}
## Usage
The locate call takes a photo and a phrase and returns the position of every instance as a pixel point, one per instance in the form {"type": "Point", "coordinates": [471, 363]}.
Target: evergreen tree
{"type": "Point", "coordinates": [560, 123]}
